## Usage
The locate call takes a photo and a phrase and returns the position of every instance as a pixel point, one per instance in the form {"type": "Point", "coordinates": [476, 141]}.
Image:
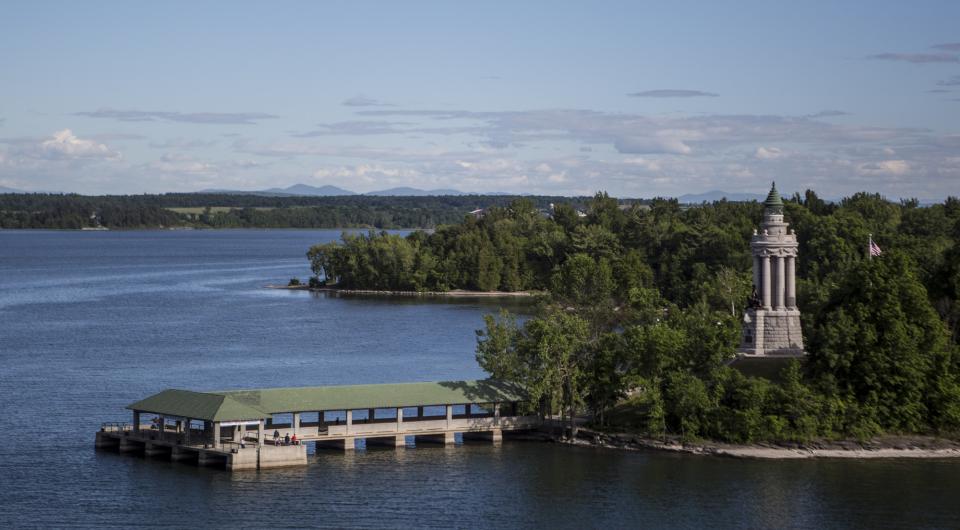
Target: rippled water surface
{"type": "Point", "coordinates": [90, 322]}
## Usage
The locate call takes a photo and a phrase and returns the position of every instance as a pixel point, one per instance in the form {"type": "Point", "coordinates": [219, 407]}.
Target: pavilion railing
{"type": "Point", "coordinates": [231, 447]}
{"type": "Point", "coordinates": [115, 426]}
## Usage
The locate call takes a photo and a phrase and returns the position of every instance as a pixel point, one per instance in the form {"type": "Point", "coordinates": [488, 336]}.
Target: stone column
{"type": "Point", "coordinates": [186, 431]}
{"type": "Point", "coordinates": [136, 421]}
{"type": "Point", "coordinates": [260, 429]}
{"type": "Point", "coordinates": [399, 419]}
{"type": "Point", "coordinates": [216, 434]}
{"type": "Point", "coordinates": [496, 414]}
{"type": "Point", "coordinates": [349, 421]}
{"type": "Point", "coordinates": [781, 288]}
{"type": "Point", "coordinates": [449, 415]}
{"type": "Point", "coordinates": [238, 437]}
{"type": "Point", "coordinates": [765, 275]}
{"type": "Point", "coordinates": [756, 273]}
{"type": "Point", "coordinates": [296, 423]}
{"type": "Point", "coordinates": [791, 283]}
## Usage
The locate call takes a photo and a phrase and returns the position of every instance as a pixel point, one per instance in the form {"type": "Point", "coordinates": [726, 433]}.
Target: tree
{"type": "Point", "coordinates": [879, 343]}
{"type": "Point", "coordinates": [545, 356]}
{"type": "Point", "coordinates": [583, 281]}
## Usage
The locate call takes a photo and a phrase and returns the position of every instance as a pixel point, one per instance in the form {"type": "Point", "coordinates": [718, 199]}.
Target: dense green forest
{"type": "Point", "coordinates": [642, 308]}
{"type": "Point", "coordinates": [223, 210]}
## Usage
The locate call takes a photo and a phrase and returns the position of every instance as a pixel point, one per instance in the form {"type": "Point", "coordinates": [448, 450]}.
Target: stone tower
{"type": "Point", "coordinates": [771, 326]}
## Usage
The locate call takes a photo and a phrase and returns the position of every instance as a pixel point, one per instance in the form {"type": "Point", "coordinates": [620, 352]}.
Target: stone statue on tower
{"type": "Point", "coordinates": [771, 324]}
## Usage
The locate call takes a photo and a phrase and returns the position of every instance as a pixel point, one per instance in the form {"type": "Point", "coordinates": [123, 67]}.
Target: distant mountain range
{"type": "Point", "coordinates": [716, 195]}
{"type": "Point", "coordinates": [404, 191]}
{"type": "Point", "coordinates": [414, 192]}
{"type": "Point", "coordinates": [333, 191]}
{"type": "Point", "coordinates": [4, 189]}
{"type": "Point", "coordinates": [304, 189]}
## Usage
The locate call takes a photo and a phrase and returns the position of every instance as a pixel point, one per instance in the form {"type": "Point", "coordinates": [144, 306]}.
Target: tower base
{"type": "Point", "coordinates": [771, 333]}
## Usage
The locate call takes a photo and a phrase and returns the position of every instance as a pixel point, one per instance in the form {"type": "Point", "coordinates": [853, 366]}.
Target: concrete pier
{"type": "Point", "coordinates": [156, 449]}
{"type": "Point", "coordinates": [180, 454]}
{"type": "Point", "coordinates": [445, 438]}
{"type": "Point", "coordinates": [495, 436]}
{"type": "Point", "coordinates": [347, 443]}
{"type": "Point", "coordinates": [268, 428]}
{"type": "Point", "coordinates": [398, 441]}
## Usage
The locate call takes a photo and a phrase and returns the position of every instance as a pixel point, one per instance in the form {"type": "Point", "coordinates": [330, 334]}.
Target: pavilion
{"type": "Point", "coordinates": [245, 429]}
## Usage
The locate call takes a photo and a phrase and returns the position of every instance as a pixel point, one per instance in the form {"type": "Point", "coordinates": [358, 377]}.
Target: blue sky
{"type": "Point", "coordinates": [636, 98]}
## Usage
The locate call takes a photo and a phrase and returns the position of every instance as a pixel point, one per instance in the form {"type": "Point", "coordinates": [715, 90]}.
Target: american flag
{"type": "Point", "coordinates": [875, 249]}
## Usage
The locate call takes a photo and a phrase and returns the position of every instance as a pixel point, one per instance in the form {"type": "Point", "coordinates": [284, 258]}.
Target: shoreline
{"type": "Point", "coordinates": [456, 293]}
{"type": "Point", "coordinates": [881, 447]}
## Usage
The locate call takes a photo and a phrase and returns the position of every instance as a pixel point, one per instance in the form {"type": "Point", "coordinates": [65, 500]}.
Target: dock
{"type": "Point", "coordinates": [272, 427]}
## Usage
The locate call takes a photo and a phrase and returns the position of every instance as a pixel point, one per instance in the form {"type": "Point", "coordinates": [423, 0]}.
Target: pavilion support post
{"type": "Point", "coordinates": [399, 419]}
{"type": "Point", "coordinates": [216, 434]}
{"type": "Point", "coordinates": [296, 423]}
{"type": "Point", "coordinates": [349, 421]}
{"type": "Point", "coordinates": [420, 413]}
{"type": "Point", "coordinates": [371, 413]}
{"type": "Point", "coordinates": [186, 431]}
{"type": "Point", "coordinates": [238, 436]}
{"type": "Point", "coordinates": [136, 421]}
{"type": "Point", "coordinates": [496, 414]}
{"type": "Point", "coordinates": [163, 424]}
{"type": "Point", "coordinates": [260, 432]}
{"type": "Point", "coordinates": [449, 415]}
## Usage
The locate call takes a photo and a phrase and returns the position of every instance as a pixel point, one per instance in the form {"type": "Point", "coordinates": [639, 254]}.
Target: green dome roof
{"type": "Point", "coordinates": [773, 198]}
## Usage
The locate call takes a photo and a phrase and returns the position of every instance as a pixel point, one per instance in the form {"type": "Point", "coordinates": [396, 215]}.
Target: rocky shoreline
{"type": "Point", "coordinates": [458, 293]}
{"type": "Point", "coordinates": [881, 447]}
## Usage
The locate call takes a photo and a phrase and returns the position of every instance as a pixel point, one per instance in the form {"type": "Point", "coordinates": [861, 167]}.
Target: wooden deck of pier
{"type": "Point", "coordinates": [246, 429]}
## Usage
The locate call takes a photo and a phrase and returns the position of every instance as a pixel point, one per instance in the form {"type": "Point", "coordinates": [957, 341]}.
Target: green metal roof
{"type": "Point", "coordinates": [197, 405]}
{"type": "Point", "coordinates": [256, 404]}
{"type": "Point", "coordinates": [773, 198]}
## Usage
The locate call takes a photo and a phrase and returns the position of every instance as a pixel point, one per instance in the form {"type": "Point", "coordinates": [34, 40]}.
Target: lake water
{"type": "Point", "coordinates": [91, 321]}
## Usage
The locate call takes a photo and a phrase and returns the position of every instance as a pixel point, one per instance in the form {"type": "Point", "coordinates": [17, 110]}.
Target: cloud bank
{"type": "Point", "coordinates": [218, 118]}
{"type": "Point", "coordinates": [672, 93]}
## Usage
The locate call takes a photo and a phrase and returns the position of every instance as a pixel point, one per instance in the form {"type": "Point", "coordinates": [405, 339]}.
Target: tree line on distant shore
{"type": "Point", "coordinates": [642, 308]}
{"type": "Point", "coordinates": [224, 210]}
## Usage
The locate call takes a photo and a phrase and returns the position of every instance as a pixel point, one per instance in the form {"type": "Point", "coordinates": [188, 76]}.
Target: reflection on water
{"type": "Point", "coordinates": [92, 321]}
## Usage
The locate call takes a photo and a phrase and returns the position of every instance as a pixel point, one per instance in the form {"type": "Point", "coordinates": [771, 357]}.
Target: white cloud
{"type": "Point", "coordinates": [646, 146]}
{"type": "Point", "coordinates": [558, 177]}
{"type": "Point", "coordinates": [649, 165]}
{"type": "Point", "coordinates": [64, 144]}
{"type": "Point", "coordinates": [885, 167]}
{"type": "Point", "coordinates": [175, 163]}
{"type": "Point", "coordinates": [768, 153]}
